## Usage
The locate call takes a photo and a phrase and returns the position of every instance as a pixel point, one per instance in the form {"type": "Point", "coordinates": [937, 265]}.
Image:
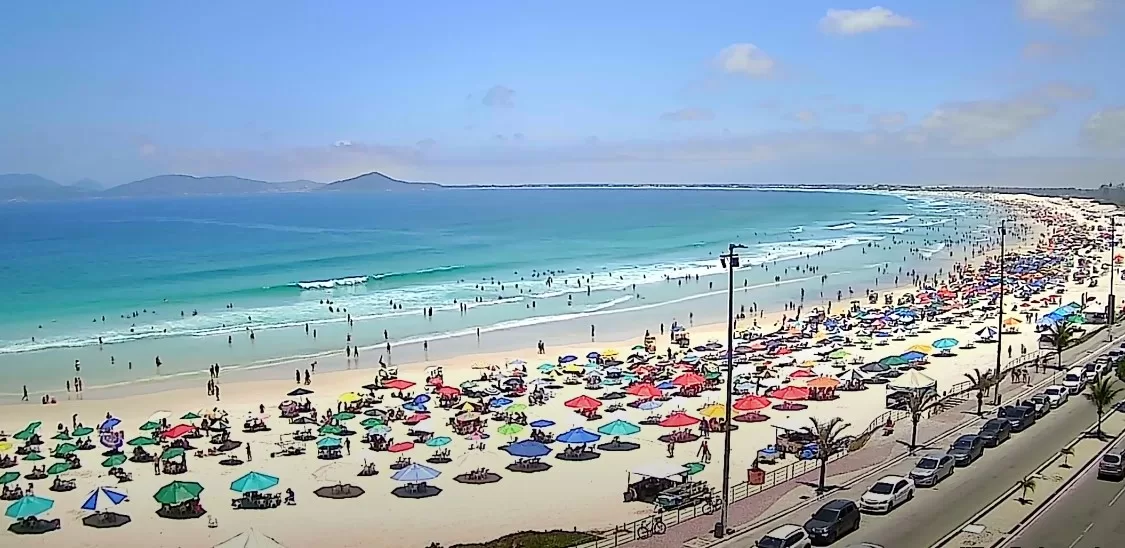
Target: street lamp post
{"type": "Point", "coordinates": [730, 261]}
{"type": "Point", "coordinates": [1000, 318]}
{"type": "Point", "coordinates": [1112, 314]}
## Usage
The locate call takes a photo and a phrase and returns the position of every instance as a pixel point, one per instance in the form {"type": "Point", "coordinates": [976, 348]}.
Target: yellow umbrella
{"type": "Point", "coordinates": [5, 446]}
{"type": "Point", "coordinates": [1012, 321]}
{"type": "Point", "coordinates": [467, 407]}
{"type": "Point", "coordinates": [349, 397]}
{"type": "Point", "coordinates": [609, 352]}
{"type": "Point", "coordinates": [714, 411]}
{"type": "Point", "coordinates": [923, 348]}
{"type": "Point", "coordinates": [573, 369]}
{"type": "Point", "coordinates": [807, 364]}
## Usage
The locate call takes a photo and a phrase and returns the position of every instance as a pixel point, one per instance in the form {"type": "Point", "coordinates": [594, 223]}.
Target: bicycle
{"type": "Point", "coordinates": [644, 530]}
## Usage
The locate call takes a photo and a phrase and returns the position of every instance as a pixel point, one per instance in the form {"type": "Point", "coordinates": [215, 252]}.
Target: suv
{"type": "Point", "coordinates": [931, 469]}
{"type": "Point", "coordinates": [1112, 465]}
{"type": "Point", "coordinates": [995, 431]}
{"type": "Point", "coordinates": [785, 536]}
{"type": "Point", "coordinates": [834, 520]}
{"type": "Point", "coordinates": [966, 449]}
{"type": "Point", "coordinates": [1019, 416]}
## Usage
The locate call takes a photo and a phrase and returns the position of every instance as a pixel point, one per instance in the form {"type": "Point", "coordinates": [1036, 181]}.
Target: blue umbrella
{"type": "Point", "coordinates": [109, 424]}
{"type": "Point", "coordinates": [421, 399]}
{"type": "Point", "coordinates": [945, 343]}
{"type": "Point", "coordinates": [987, 333]}
{"type": "Point", "coordinates": [415, 473]}
{"type": "Point", "coordinates": [666, 385]}
{"type": "Point", "coordinates": [103, 497]}
{"type": "Point", "coordinates": [542, 423]}
{"type": "Point", "coordinates": [567, 359]}
{"type": "Point", "coordinates": [578, 435]}
{"type": "Point", "coordinates": [28, 506]}
{"type": "Point", "coordinates": [649, 405]}
{"type": "Point", "coordinates": [527, 449]}
{"type": "Point", "coordinates": [501, 402]}
{"type": "Point", "coordinates": [254, 481]}
{"type": "Point", "coordinates": [593, 356]}
{"type": "Point", "coordinates": [416, 407]}
{"type": "Point", "coordinates": [619, 428]}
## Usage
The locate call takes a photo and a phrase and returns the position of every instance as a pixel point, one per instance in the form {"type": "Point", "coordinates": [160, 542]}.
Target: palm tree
{"type": "Point", "coordinates": [981, 381]}
{"type": "Point", "coordinates": [828, 438]}
{"type": "Point", "coordinates": [919, 402]}
{"type": "Point", "coordinates": [1066, 452]}
{"type": "Point", "coordinates": [1119, 368]}
{"type": "Point", "coordinates": [1060, 335]}
{"type": "Point", "coordinates": [1102, 394]}
{"type": "Point", "coordinates": [1025, 485]}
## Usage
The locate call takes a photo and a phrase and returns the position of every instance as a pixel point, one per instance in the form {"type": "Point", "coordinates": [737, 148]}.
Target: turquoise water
{"type": "Point", "coordinates": [162, 273]}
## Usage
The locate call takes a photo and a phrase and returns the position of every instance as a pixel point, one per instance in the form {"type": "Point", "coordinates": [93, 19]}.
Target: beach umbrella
{"type": "Point", "coordinates": [987, 333]}
{"type": "Point", "coordinates": [802, 374]}
{"type": "Point", "coordinates": [82, 431]}
{"type": "Point", "coordinates": [449, 391]}
{"type": "Point", "coordinates": [946, 343]}
{"type": "Point", "coordinates": [171, 453]}
{"type": "Point", "coordinates": [328, 441]}
{"type": "Point", "coordinates": [189, 416]}
{"type": "Point", "coordinates": [109, 424]}
{"type": "Point", "coordinates": [567, 359]}
{"type": "Point", "coordinates": [179, 430]}
{"type": "Point", "coordinates": [527, 449]}
{"type": "Point", "coordinates": [298, 392]}
{"type": "Point", "coordinates": [751, 403]}
{"type": "Point", "coordinates": [644, 390]}
{"type": "Point", "coordinates": [28, 506]}
{"type": "Point", "coordinates": [58, 468]}
{"type": "Point", "coordinates": [150, 425]}
{"type": "Point", "coordinates": [345, 416]}
{"type": "Point", "coordinates": [102, 498]}
{"type": "Point", "coordinates": [33, 457]}
{"type": "Point", "coordinates": [330, 429]}
{"type": "Point", "coordinates": [510, 429]}
{"type": "Point", "coordinates": [370, 421]}
{"type": "Point", "coordinates": [714, 411]}
{"type": "Point", "coordinates": [823, 382]}
{"type": "Point", "coordinates": [141, 441]}
{"type": "Point", "coordinates": [619, 428]}
{"type": "Point", "coordinates": [61, 436]}
{"type": "Point", "coordinates": [9, 477]}
{"type": "Point", "coordinates": [542, 423]}
{"type": "Point", "coordinates": [583, 402]}
{"type": "Point", "coordinates": [398, 384]}
{"type": "Point", "coordinates": [649, 405]}
{"type": "Point", "coordinates": [439, 441]}
{"type": "Point", "coordinates": [500, 402]}
{"type": "Point", "coordinates": [178, 492]}
{"type": "Point", "coordinates": [378, 429]}
{"type": "Point", "coordinates": [401, 446]}
{"type": "Point", "coordinates": [838, 354]}
{"type": "Point", "coordinates": [791, 393]}
{"type": "Point", "coordinates": [415, 473]}
{"type": "Point", "coordinates": [5, 446]}
{"type": "Point", "coordinates": [253, 481]}
{"type": "Point", "coordinates": [678, 419]}
{"type": "Point", "coordinates": [1012, 321]}
{"type": "Point", "coordinates": [114, 460]}
{"type": "Point", "coordinates": [688, 379]}
{"type": "Point", "coordinates": [349, 397]}
{"type": "Point", "coordinates": [894, 361]}
{"type": "Point", "coordinates": [913, 380]}
{"type": "Point", "coordinates": [65, 449]}
{"type": "Point", "coordinates": [517, 408]}
{"type": "Point", "coordinates": [578, 435]}
{"type": "Point", "coordinates": [593, 356]}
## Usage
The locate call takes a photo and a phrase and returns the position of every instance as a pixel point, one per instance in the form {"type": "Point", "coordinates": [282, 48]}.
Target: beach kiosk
{"type": "Point", "coordinates": [648, 481]}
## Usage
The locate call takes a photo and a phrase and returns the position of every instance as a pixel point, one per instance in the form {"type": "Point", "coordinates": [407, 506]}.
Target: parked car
{"type": "Point", "coordinates": [834, 520]}
{"type": "Point", "coordinates": [1112, 465]}
{"type": "Point", "coordinates": [1019, 416]}
{"type": "Point", "coordinates": [864, 545]}
{"type": "Point", "coordinates": [966, 449]}
{"type": "Point", "coordinates": [887, 493]}
{"type": "Point", "coordinates": [1091, 371]}
{"type": "Point", "coordinates": [1042, 405]}
{"type": "Point", "coordinates": [1058, 394]}
{"type": "Point", "coordinates": [785, 536]}
{"type": "Point", "coordinates": [931, 469]}
{"type": "Point", "coordinates": [1073, 380]}
{"type": "Point", "coordinates": [995, 431]}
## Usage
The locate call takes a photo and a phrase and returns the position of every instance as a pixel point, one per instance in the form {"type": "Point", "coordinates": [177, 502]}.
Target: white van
{"type": "Point", "coordinates": [1074, 380]}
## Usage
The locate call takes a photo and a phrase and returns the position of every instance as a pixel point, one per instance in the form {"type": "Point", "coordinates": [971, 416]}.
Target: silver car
{"type": "Point", "coordinates": [932, 468]}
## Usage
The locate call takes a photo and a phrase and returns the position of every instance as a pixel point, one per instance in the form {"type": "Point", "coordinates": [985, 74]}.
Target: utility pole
{"type": "Point", "coordinates": [1000, 318]}
{"type": "Point", "coordinates": [1112, 315]}
{"type": "Point", "coordinates": [730, 260]}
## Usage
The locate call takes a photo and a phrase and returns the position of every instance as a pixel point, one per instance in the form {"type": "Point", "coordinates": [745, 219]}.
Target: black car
{"type": "Point", "coordinates": [966, 449]}
{"type": "Point", "coordinates": [1019, 416]}
{"type": "Point", "coordinates": [995, 431]}
{"type": "Point", "coordinates": [834, 520]}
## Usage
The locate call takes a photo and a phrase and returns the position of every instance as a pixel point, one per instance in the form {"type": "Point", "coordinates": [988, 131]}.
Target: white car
{"type": "Point", "coordinates": [1057, 394]}
{"type": "Point", "coordinates": [785, 536]}
{"type": "Point", "coordinates": [886, 494]}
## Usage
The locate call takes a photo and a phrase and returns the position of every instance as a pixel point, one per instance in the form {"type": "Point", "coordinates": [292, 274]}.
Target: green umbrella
{"type": "Point", "coordinates": [369, 422]}
{"type": "Point", "coordinates": [694, 468]}
{"type": "Point", "coordinates": [330, 429]}
{"type": "Point", "coordinates": [639, 347]}
{"type": "Point", "coordinates": [510, 429]}
{"type": "Point", "coordinates": [328, 441]}
{"type": "Point", "coordinates": [61, 436]}
{"type": "Point", "coordinates": [1076, 318]}
{"type": "Point", "coordinates": [190, 417]}
{"type": "Point", "coordinates": [150, 425]}
{"type": "Point", "coordinates": [178, 492]}
{"type": "Point", "coordinates": [891, 361]}
{"type": "Point", "coordinates": [28, 506]}
{"type": "Point", "coordinates": [66, 449]}
{"type": "Point", "coordinates": [141, 441]}
{"type": "Point", "coordinates": [254, 481]}
{"type": "Point", "coordinates": [619, 428]}
{"type": "Point", "coordinates": [24, 435]}
{"type": "Point", "coordinates": [9, 477]}
{"type": "Point", "coordinates": [82, 431]}
{"type": "Point", "coordinates": [58, 468]}
{"type": "Point", "coordinates": [114, 460]}
{"type": "Point", "coordinates": [345, 416]}
{"type": "Point", "coordinates": [517, 408]}
{"type": "Point", "coordinates": [33, 457]}
{"type": "Point", "coordinates": [171, 453]}
{"type": "Point", "coordinates": [838, 354]}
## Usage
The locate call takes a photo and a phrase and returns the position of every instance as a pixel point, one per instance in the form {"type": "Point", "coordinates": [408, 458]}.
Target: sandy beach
{"type": "Point", "coordinates": [582, 495]}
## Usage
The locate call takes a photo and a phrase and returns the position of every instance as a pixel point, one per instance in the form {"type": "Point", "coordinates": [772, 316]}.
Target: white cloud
{"type": "Point", "coordinates": [426, 144]}
{"type": "Point", "coordinates": [690, 114]}
{"type": "Point", "coordinates": [1059, 91]}
{"type": "Point", "coordinates": [1041, 50]}
{"type": "Point", "coordinates": [1105, 129]}
{"type": "Point", "coordinates": [499, 96]}
{"type": "Point", "coordinates": [1076, 15]}
{"type": "Point", "coordinates": [851, 22]}
{"type": "Point", "coordinates": [746, 59]}
{"type": "Point", "coordinates": [888, 121]}
{"type": "Point", "coordinates": [806, 117]}
{"type": "Point", "coordinates": [983, 122]}
{"type": "Point", "coordinates": [147, 149]}
{"type": "Point", "coordinates": [342, 143]}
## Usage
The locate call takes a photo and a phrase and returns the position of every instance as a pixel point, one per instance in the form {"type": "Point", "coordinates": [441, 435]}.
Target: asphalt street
{"type": "Point", "coordinates": [1091, 514]}
{"type": "Point", "coordinates": [935, 511]}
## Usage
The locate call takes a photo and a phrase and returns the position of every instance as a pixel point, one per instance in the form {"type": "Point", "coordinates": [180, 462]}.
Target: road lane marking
{"type": "Point", "coordinates": [1117, 496]}
{"type": "Point", "coordinates": [1084, 531]}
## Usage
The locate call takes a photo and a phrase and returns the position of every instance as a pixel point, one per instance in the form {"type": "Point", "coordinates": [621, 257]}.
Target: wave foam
{"type": "Point", "coordinates": [844, 226]}
{"type": "Point", "coordinates": [335, 282]}
{"type": "Point", "coordinates": [889, 220]}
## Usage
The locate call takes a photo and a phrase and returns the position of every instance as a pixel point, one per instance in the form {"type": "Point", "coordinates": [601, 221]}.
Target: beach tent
{"type": "Point", "coordinates": [250, 539]}
{"type": "Point", "coordinates": [913, 380]}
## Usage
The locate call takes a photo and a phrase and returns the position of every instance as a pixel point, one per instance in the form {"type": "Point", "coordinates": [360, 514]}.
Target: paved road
{"type": "Point", "coordinates": [1088, 515]}
{"type": "Point", "coordinates": [936, 511]}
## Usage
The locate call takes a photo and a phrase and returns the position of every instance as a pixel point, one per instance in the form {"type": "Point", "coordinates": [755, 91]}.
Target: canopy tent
{"type": "Point", "coordinates": [913, 380]}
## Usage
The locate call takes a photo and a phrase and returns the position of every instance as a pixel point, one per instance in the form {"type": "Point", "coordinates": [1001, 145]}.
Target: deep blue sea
{"type": "Point", "coordinates": [175, 277]}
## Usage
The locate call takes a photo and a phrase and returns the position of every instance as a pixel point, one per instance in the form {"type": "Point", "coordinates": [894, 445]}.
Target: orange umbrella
{"type": "Point", "coordinates": [823, 382]}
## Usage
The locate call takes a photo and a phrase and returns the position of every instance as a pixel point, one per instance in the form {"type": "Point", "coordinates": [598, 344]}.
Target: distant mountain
{"type": "Point", "coordinates": [87, 185]}
{"type": "Point", "coordinates": [25, 186]}
{"type": "Point", "coordinates": [377, 182]}
{"type": "Point", "coordinates": [187, 185]}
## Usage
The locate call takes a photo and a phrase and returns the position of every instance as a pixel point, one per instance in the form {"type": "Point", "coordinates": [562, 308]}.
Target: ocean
{"type": "Point", "coordinates": [116, 283]}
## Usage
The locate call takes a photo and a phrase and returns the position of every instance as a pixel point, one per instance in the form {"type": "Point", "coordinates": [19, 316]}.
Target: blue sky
{"type": "Point", "coordinates": [1004, 91]}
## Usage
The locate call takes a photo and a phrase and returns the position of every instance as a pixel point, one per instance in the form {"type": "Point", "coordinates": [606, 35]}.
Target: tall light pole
{"type": "Point", "coordinates": [730, 260]}
{"type": "Point", "coordinates": [1000, 318]}
{"type": "Point", "coordinates": [1112, 315]}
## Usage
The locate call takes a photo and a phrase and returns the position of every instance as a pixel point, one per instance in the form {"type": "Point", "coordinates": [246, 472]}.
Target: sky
{"type": "Point", "coordinates": [1005, 92]}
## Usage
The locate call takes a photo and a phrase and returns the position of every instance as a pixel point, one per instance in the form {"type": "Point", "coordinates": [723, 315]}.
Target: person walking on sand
{"type": "Point", "coordinates": [348, 445]}
{"type": "Point", "coordinates": [216, 392]}
{"type": "Point", "coordinates": [249, 457]}
{"type": "Point", "coordinates": [671, 450]}
{"type": "Point", "coordinates": [704, 452]}
{"type": "Point", "coordinates": [24, 393]}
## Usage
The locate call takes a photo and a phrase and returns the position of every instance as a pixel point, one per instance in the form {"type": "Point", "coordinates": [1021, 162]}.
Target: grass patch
{"type": "Point", "coordinates": [535, 539]}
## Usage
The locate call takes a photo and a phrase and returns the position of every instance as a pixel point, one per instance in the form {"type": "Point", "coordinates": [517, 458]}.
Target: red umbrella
{"type": "Point", "coordinates": [751, 403]}
{"type": "Point", "coordinates": [178, 430]}
{"type": "Point", "coordinates": [782, 351]}
{"type": "Point", "coordinates": [401, 446]}
{"type": "Point", "coordinates": [583, 402]}
{"type": "Point", "coordinates": [679, 419]}
{"type": "Point", "coordinates": [416, 418]}
{"type": "Point", "coordinates": [790, 393]}
{"type": "Point", "coordinates": [449, 391]}
{"type": "Point", "coordinates": [688, 379]}
{"type": "Point", "coordinates": [801, 373]}
{"type": "Point", "coordinates": [644, 390]}
{"type": "Point", "coordinates": [435, 381]}
{"type": "Point", "coordinates": [398, 384]}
